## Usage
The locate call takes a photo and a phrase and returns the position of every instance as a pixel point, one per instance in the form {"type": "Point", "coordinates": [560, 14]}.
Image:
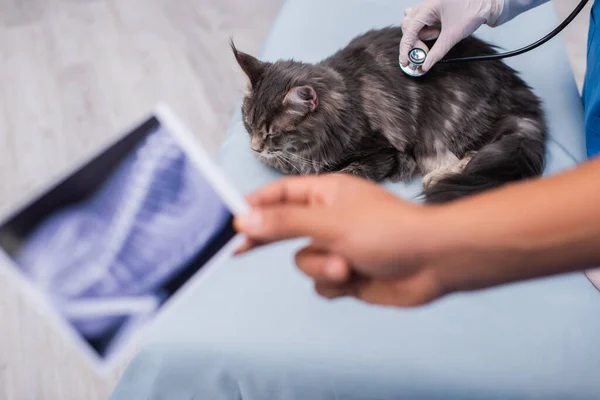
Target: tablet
{"type": "Point", "coordinates": [113, 243]}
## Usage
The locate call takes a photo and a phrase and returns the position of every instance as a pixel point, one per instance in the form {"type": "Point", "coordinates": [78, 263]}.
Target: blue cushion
{"type": "Point", "coordinates": [256, 330]}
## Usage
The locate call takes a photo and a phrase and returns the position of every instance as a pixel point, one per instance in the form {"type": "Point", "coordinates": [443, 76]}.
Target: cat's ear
{"type": "Point", "coordinates": [252, 67]}
{"type": "Point", "coordinates": [301, 100]}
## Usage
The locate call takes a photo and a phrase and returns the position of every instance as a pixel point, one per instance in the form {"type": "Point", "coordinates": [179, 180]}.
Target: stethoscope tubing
{"type": "Point", "coordinates": [525, 49]}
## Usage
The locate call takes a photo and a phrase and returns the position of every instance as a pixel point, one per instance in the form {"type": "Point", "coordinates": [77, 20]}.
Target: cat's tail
{"type": "Point", "coordinates": [517, 154]}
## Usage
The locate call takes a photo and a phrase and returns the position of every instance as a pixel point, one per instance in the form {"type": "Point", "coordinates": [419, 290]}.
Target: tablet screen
{"type": "Point", "coordinates": [115, 240]}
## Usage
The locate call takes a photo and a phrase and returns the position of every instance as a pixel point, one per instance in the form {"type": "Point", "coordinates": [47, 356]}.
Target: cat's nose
{"type": "Point", "coordinates": [256, 144]}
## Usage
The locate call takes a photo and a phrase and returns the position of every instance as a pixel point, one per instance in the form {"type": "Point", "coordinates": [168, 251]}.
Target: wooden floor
{"type": "Point", "coordinates": [74, 73]}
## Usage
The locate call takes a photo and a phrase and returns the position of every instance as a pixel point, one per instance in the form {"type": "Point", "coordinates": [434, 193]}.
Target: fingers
{"type": "Point", "coordinates": [409, 292]}
{"type": "Point", "coordinates": [323, 266]}
{"type": "Point", "coordinates": [332, 275]}
{"type": "Point", "coordinates": [448, 38]}
{"type": "Point", "coordinates": [287, 209]}
{"type": "Point", "coordinates": [409, 38]}
{"type": "Point", "coordinates": [288, 190]}
{"type": "Point", "coordinates": [333, 291]}
{"type": "Point", "coordinates": [248, 245]}
{"type": "Point", "coordinates": [444, 43]}
{"type": "Point", "coordinates": [416, 19]}
{"type": "Point", "coordinates": [287, 221]}
{"type": "Point", "coordinates": [429, 33]}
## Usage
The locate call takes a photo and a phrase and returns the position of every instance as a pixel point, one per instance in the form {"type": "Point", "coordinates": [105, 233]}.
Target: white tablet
{"type": "Point", "coordinates": [109, 246]}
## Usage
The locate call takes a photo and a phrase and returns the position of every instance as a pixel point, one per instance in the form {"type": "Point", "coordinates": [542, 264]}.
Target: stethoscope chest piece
{"type": "Point", "coordinates": [418, 54]}
{"type": "Point", "coordinates": [416, 58]}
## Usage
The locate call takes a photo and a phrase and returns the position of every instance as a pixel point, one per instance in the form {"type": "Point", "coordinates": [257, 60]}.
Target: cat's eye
{"type": "Point", "coordinates": [272, 133]}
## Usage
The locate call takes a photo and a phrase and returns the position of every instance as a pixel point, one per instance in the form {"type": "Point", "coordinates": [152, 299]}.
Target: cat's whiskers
{"type": "Point", "coordinates": [320, 163]}
{"type": "Point", "coordinates": [304, 159]}
{"type": "Point", "coordinates": [281, 157]}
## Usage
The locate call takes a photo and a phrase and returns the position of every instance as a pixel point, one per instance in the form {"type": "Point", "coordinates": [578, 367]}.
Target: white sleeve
{"type": "Point", "coordinates": [512, 8]}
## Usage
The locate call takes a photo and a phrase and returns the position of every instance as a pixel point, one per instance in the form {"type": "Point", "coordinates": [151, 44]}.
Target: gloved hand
{"type": "Point", "coordinates": [453, 20]}
{"type": "Point", "coordinates": [448, 20]}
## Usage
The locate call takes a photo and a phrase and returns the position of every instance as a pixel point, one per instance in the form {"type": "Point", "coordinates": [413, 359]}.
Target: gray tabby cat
{"type": "Point", "coordinates": [466, 127]}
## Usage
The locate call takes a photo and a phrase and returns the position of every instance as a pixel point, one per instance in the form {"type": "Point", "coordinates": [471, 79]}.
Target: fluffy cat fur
{"type": "Point", "coordinates": [465, 127]}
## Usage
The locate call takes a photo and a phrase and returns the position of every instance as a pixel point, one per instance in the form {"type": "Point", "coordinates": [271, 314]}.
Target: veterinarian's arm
{"type": "Point", "coordinates": [380, 249]}
{"type": "Point", "coordinates": [523, 231]}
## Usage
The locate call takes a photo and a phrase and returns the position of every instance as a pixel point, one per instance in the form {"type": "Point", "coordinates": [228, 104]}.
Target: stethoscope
{"type": "Point", "coordinates": [417, 55]}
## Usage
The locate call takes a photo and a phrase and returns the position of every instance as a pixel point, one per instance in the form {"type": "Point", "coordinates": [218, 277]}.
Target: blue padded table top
{"type": "Point", "coordinates": [255, 330]}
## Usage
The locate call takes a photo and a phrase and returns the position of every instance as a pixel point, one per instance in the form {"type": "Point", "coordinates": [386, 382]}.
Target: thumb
{"type": "Point", "coordinates": [281, 222]}
{"type": "Point", "coordinates": [442, 46]}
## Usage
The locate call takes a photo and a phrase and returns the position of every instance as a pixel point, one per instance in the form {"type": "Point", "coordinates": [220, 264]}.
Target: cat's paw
{"type": "Point", "coordinates": [352, 170]}
{"type": "Point", "coordinates": [357, 170]}
{"type": "Point", "coordinates": [432, 178]}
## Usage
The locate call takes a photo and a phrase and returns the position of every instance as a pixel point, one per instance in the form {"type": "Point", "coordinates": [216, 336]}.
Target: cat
{"type": "Point", "coordinates": [465, 128]}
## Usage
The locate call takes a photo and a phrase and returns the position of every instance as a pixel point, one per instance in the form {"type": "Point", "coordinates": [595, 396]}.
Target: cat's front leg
{"type": "Point", "coordinates": [362, 171]}
{"type": "Point", "coordinates": [406, 168]}
{"type": "Point", "coordinates": [374, 167]}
